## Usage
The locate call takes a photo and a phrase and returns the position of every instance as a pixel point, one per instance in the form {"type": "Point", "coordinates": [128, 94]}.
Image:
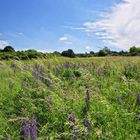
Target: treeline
{"type": "Point", "coordinates": [9, 53]}
{"type": "Point", "coordinates": [133, 51]}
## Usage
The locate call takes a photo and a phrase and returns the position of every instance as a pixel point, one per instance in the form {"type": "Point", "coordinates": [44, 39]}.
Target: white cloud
{"type": "Point", "coordinates": [120, 27]}
{"type": "Point", "coordinates": [88, 48]}
{"type": "Point", "coordinates": [65, 40]}
{"type": "Point", "coordinates": [73, 28]}
{"type": "Point", "coordinates": [3, 43]}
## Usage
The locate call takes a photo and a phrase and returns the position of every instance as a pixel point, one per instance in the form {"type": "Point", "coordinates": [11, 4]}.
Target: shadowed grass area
{"type": "Point", "coordinates": [79, 98]}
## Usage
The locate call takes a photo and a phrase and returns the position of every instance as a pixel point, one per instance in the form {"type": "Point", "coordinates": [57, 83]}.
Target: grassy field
{"type": "Point", "coordinates": [70, 99]}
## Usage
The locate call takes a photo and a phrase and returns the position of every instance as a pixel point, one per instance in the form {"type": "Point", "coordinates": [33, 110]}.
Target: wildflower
{"type": "Point", "coordinates": [86, 123]}
{"type": "Point", "coordinates": [71, 118]}
{"type": "Point", "coordinates": [25, 130]}
{"type": "Point", "coordinates": [36, 67]}
{"type": "Point", "coordinates": [67, 65]}
{"type": "Point", "coordinates": [33, 128]}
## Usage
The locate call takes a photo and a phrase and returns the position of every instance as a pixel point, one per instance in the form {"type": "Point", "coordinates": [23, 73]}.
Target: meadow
{"type": "Point", "coordinates": [70, 99]}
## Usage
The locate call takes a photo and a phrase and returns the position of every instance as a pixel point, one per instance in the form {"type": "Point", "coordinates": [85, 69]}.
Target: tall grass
{"type": "Point", "coordinates": [70, 99]}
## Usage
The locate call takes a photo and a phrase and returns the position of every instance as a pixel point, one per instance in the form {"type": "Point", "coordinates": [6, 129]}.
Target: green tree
{"type": "Point", "coordinates": [8, 49]}
{"type": "Point", "coordinates": [68, 53]}
{"type": "Point", "coordinates": [107, 50]}
{"type": "Point", "coordinates": [134, 51]}
{"type": "Point", "coordinates": [102, 53]}
{"type": "Point", "coordinates": [92, 52]}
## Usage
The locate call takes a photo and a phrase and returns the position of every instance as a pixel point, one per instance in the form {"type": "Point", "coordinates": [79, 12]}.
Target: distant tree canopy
{"type": "Point", "coordinates": [56, 53]}
{"type": "Point", "coordinates": [102, 53]}
{"type": "Point", "coordinates": [8, 49]}
{"type": "Point", "coordinates": [9, 53]}
{"type": "Point", "coordinates": [134, 51]}
{"type": "Point", "coordinates": [105, 51]}
{"type": "Point", "coordinates": [68, 53]}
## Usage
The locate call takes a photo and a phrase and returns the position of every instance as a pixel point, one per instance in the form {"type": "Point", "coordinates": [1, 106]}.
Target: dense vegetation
{"type": "Point", "coordinates": [70, 99]}
{"type": "Point", "coordinates": [9, 53]}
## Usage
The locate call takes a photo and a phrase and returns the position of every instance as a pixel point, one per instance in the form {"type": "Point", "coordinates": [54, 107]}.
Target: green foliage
{"type": "Point", "coordinates": [102, 53]}
{"type": "Point", "coordinates": [22, 55]}
{"type": "Point", "coordinates": [8, 49]}
{"type": "Point", "coordinates": [9, 53]}
{"type": "Point", "coordinates": [134, 51]}
{"type": "Point", "coordinates": [68, 53]}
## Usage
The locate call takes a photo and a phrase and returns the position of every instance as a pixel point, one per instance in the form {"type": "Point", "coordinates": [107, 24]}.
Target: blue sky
{"type": "Point", "coordinates": [49, 25]}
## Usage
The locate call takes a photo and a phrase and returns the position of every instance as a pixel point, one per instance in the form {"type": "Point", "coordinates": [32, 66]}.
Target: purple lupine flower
{"type": "Point", "coordinates": [72, 126]}
{"type": "Point", "coordinates": [71, 118]}
{"type": "Point", "coordinates": [33, 128]}
{"type": "Point", "coordinates": [25, 130]}
{"type": "Point", "coordinates": [86, 123]}
{"type": "Point", "coordinates": [36, 66]}
{"type": "Point", "coordinates": [36, 71]}
{"type": "Point", "coordinates": [138, 99]}
{"type": "Point", "coordinates": [68, 65]}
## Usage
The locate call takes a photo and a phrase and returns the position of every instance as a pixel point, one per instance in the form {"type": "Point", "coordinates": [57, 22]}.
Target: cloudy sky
{"type": "Point", "coordinates": [82, 25]}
